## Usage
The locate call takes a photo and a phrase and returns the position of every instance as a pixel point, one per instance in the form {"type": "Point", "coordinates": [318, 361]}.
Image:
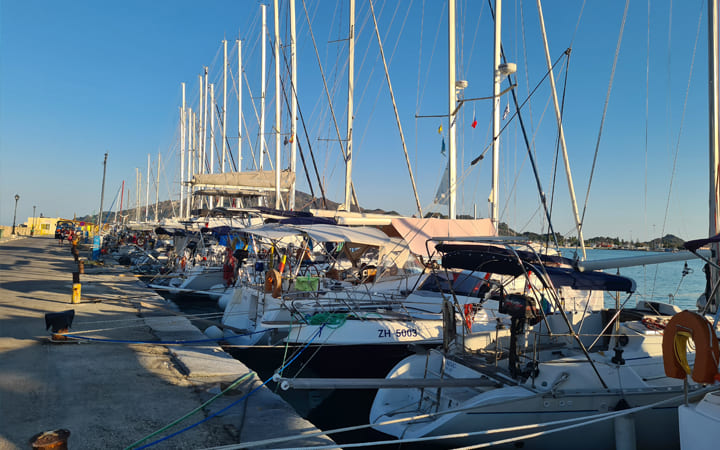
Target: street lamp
{"type": "Point", "coordinates": [17, 197]}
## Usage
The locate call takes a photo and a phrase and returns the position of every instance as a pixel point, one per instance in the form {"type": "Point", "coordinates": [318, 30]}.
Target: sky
{"type": "Point", "coordinates": [80, 79]}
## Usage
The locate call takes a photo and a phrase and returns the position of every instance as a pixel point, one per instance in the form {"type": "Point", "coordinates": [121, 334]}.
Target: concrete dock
{"type": "Point", "coordinates": [114, 394]}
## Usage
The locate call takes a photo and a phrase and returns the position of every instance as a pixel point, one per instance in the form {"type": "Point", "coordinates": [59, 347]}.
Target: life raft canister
{"type": "Point", "coordinates": [273, 283]}
{"type": "Point", "coordinates": [689, 325]}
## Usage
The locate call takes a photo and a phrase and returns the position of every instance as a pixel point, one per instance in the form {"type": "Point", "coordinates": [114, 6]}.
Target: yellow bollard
{"type": "Point", "coordinates": [76, 292]}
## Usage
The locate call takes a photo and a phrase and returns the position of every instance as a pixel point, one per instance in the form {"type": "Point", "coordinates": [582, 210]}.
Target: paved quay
{"type": "Point", "coordinates": [113, 394]}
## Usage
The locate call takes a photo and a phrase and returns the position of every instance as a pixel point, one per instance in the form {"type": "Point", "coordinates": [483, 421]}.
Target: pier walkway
{"type": "Point", "coordinates": [113, 394]}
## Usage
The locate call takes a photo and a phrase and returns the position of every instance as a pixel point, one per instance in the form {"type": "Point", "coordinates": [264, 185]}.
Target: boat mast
{"type": "Point", "coordinates": [137, 195]}
{"type": "Point", "coordinates": [182, 152]}
{"type": "Point", "coordinates": [276, 17]}
{"type": "Point", "coordinates": [293, 106]}
{"type": "Point", "coordinates": [147, 190]}
{"type": "Point", "coordinates": [558, 117]}
{"type": "Point", "coordinates": [351, 87]}
{"type": "Point", "coordinates": [212, 137]}
{"type": "Point", "coordinates": [102, 192]}
{"type": "Point", "coordinates": [157, 189]}
{"type": "Point", "coordinates": [262, 86]}
{"type": "Point", "coordinates": [452, 94]}
{"type": "Point", "coordinates": [497, 79]}
{"type": "Point", "coordinates": [714, 142]}
{"type": "Point", "coordinates": [224, 113]}
{"type": "Point", "coordinates": [239, 90]}
{"type": "Point", "coordinates": [190, 159]}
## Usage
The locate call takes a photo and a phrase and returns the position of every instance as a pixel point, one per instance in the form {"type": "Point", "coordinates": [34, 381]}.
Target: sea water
{"type": "Point", "coordinates": [679, 282]}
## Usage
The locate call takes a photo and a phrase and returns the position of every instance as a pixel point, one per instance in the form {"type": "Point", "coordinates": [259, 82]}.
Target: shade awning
{"type": "Point", "coordinates": [416, 232]}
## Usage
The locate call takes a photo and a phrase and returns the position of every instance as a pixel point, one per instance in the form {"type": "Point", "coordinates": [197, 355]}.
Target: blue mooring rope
{"type": "Point", "coordinates": [244, 397]}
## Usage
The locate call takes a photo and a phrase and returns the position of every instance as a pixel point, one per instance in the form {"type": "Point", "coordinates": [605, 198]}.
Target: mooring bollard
{"type": "Point", "coordinates": [76, 292]}
{"type": "Point", "coordinates": [76, 289]}
{"type": "Point", "coordinates": [50, 440]}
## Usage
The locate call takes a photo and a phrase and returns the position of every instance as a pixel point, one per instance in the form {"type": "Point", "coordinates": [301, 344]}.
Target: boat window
{"type": "Point", "coordinates": [464, 284]}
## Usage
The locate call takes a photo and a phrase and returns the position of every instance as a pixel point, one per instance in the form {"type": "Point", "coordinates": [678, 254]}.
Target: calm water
{"type": "Point", "coordinates": [658, 282]}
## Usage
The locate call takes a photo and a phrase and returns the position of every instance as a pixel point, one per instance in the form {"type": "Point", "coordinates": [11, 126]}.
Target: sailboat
{"type": "Point", "coordinates": [596, 380]}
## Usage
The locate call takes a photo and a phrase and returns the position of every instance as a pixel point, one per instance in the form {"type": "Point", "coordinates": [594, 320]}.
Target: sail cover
{"type": "Point", "coordinates": [417, 232]}
{"type": "Point", "coordinates": [255, 180]}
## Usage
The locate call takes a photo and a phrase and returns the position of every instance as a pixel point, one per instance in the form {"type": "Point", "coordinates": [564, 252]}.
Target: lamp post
{"type": "Point", "coordinates": [32, 230]}
{"type": "Point", "coordinates": [17, 197]}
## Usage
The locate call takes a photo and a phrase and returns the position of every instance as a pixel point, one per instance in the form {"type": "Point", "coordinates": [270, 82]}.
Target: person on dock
{"type": "Point", "coordinates": [74, 247]}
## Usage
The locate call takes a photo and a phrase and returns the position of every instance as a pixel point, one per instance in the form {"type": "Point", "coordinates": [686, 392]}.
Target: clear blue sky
{"type": "Point", "coordinates": [82, 78]}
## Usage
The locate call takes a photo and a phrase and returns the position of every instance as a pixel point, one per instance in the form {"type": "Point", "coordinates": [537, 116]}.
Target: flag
{"type": "Point", "coordinates": [442, 150]}
{"type": "Point", "coordinates": [474, 122]}
{"type": "Point", "coordinates": [507, 111]}
{"type": "Point", "coordinates": [440, 129]}
{"type": "Point", "coordinates": [443, 190]}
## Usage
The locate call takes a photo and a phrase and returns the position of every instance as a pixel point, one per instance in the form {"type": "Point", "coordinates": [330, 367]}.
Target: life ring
{"type": "Point", "coordinates": [688, 325]}
{"type": "Point", "coordinates": [273, 283]}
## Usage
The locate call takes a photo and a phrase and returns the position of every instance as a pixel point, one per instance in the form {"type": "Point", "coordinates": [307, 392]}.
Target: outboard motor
{"type": "Point", "coordinates": [521, 310]}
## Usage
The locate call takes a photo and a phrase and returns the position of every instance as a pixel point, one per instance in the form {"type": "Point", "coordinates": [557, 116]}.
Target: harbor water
{"type": "Point", "coordinates": [672, 282]}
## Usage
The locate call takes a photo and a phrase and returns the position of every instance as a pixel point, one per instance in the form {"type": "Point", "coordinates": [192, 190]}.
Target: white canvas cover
{"type": "Point", "coordinates": [392, 251]}
{"type": "Point", "coordinates": [244, 180]}
{"type": "Point", "coordinates": [335, 233]}
{"type": "Point", "coordinates": [275, 232]}
{"type": "Point", "coordinates": [416, 232]}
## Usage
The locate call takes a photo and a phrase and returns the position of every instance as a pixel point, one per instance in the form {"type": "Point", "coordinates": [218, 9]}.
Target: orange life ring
{"type": "Point", "coordinates": [273, 283]}
{"type": "Point", "coordinates": [682, 326]}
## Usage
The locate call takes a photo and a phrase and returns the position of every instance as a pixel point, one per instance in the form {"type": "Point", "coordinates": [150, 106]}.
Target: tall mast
{"type": "Point", "coordinates": [147, 190]}
{"type": "Point", "coordinates": [157, 189]}
{"type": "Point", "coordinates": [714, 141]}
{"type": "Point", "coordinates": [568, 173]}
{"type": "Point", "coordinates": [497, 79]}
{"type": "Point", "coordinates": [239, 91]}
{"type": "Point", "coordinates": [198, 152]}
{"type": "Point", "coordinates": [224, 112]}
{"type": "Point", "coordinates": [137, 195]}
{"type": "Point", "coordinates": [182, 152]}
{"type": "Point", "coordinates": [262, 86]}
{"type": "Point", "coordinates": [191, 147]}
{"type": "Point", "coordinates": [102, 191]}
{"type": "Point", "coordinates": [211, 110]}
{"type": "Point", "coordinates": [277, 105]}
{"type": "Point", "coordinates": [351, 87]}
{"type": "Point", "coordinates": [452, 93]}
{"type": "Point", "coordinates": [293, 105]}
{"type": "Point", "coordinates": [212, 136]}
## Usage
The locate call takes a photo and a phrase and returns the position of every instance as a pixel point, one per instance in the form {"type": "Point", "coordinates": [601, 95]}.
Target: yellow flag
{"type": "Point", "coordinates": [440, 129]}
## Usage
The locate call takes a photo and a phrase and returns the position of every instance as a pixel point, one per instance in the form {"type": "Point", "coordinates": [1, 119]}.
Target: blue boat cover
{"type": "Point", "coordinates": [697, 243]}
{"type": "Point", "coordinates": [502, 261]}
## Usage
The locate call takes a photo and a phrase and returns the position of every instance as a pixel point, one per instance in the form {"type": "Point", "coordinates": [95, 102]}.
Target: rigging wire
{"type": "Point", "coordinates": [677, 144]}
{"type": "Point", "coordinates": [605, 107]}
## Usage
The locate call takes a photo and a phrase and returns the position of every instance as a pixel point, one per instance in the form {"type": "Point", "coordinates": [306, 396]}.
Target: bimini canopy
{"type": "Point", "coordinates": [275, 232]}
{"type": "Point", "coordinates": [390, 250]}
{"type": "Point", "coordinates": [337, 233]}
{"type": "Point", "coordinates": [417, 232]}
{"type": "Point", "coordinates": [503, 261]}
